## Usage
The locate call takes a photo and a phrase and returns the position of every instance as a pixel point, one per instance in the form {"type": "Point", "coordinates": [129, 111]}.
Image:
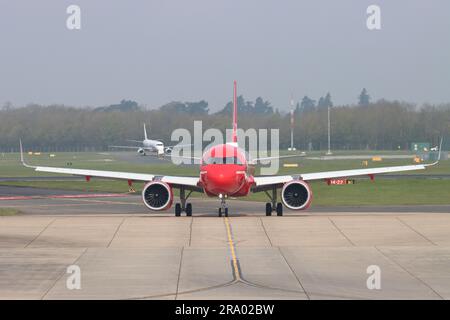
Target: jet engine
{"type": "Point", "coordinates": [296, 195]}
{"type": "Point", "coordinates": [141, 151]}
{"type": "Point", "coordinates": [157, 196]}
{"type": "Point", "coordinates": [168, 150]}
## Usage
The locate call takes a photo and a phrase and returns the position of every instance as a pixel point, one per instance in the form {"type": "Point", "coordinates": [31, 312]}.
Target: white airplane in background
{"type": "Point", "coordinates": [148, 145]}
{"type": "Point", "coordinates": [226, 171]}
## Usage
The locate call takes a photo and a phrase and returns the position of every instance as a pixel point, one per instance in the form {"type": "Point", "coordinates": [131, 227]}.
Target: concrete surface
{"type": "Point", "coordinates": [136, 255]}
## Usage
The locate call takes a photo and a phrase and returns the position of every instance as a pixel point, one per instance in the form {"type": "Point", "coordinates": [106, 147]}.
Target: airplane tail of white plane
{"type": "Point", "coordinates": [145, 132]}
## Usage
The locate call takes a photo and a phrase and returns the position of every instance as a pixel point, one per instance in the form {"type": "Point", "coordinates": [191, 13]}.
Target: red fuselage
{"type": "Point", "coordinates": [224, 170]}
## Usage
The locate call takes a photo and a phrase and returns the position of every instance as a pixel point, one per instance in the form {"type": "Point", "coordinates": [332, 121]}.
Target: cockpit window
{"type": "Point", "coordinates": [159, 144]}
{"type": "Point", "coordinates": [223, 160]}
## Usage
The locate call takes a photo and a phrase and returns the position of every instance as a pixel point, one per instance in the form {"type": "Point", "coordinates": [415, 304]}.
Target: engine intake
{"type": "Point", "coordinates": [296, 195]}
{"type": "Point", "coordinates": [157, 196]}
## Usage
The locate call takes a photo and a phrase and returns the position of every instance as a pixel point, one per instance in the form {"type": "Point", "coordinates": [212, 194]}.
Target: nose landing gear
{"type": "Point", "coordinates": [223, 209]}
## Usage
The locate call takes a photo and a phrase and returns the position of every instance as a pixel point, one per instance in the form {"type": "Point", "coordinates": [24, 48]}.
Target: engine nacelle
{"type": "Point", "coordinates": [168, 150]}
{"type": "Point", "coordinates": [157, 196]}
{"type": "Point", "coordinates": [296, 195]}
{"type": "Point", "coordinates": [141, 151]}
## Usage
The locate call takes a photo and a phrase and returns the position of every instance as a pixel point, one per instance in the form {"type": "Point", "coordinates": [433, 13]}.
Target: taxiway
{"type": "Point", "coordinates": [125, 252]}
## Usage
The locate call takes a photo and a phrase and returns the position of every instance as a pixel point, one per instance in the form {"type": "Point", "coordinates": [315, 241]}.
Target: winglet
{"type": "Point", "coordinates": [439, 155]}
{"type": "Point", "coordinates": [21, 156]}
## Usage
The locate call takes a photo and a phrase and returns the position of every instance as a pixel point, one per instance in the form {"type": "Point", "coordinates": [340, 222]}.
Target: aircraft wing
{"type": "Point", "coordinates": [168, 157]}
{"type": "Point", "coordinates": [265, 181]}
{"type": "Point", "coordinates": [173, 180]}
{"type": "Point", "coordinates": [178, 145]}
{"type": "Point", "coordinates": [96, 173]}
{"type": "Point", "coordinates": [129, 147]}
{"type": "Point", "coordinates": [274, 180]}
{"type": "Point", "coordinates": [268, 159]}
{"type": "Point", "coordinates": [137, 141]}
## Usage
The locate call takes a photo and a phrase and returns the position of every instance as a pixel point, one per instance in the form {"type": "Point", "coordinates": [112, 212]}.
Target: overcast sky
{"type": "Point", "coordinates": [156, 51]}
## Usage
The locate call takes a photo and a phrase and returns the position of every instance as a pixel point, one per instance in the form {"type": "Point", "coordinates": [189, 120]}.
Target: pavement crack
{"type": "Point", "coordinates": [115, 233]}
{"type": "Point", "coordinates": [190, 231]}
{"type": "Point", "coordinates": [408, 272]}
{"type": "Point", "coordinates": [341, 232]}
{"type": "Point", "coordinates": [293, 272]}
{"type": "Point", "coordinates": [179, 272]}
{"type": "Point", "coordinates": [414, 230]}
{"type": "Point", "coordinates": [236, 266]}
{"type": "Point", "coordinates": [42, 231]}
{"type": "Point", "coordinates": [265, 231]}
{"type": "Point", "coordinates": [62, 274]}
{"type": "Point", "coordinates": [222, 285]}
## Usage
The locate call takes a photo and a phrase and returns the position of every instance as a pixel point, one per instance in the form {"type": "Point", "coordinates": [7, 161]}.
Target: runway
{"type": "Point", "coordinates": [125, 252]}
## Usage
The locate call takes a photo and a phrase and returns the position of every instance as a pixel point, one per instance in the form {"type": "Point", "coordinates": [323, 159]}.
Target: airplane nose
{"type": "Point", "coordinates": [218, 177]}
{"type": "Point", "coordinates": [223, 181]}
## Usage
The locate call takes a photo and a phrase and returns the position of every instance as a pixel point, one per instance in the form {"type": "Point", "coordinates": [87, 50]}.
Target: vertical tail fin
{"type": "Point", "coordinates": [145, 133]}
{"type": "Point", "coordinates": [234, 137]}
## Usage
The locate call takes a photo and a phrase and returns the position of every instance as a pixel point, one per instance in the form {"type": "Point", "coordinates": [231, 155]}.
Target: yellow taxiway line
{"type": "Point", "coordinates": [232, 249]}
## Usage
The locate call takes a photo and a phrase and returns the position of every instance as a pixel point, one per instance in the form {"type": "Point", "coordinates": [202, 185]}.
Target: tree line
{"type": "Point", "coordinates": [389, 125]}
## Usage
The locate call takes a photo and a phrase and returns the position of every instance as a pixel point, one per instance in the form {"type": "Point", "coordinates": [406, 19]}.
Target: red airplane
{"type": "Point", "coordinates": [225, 171]}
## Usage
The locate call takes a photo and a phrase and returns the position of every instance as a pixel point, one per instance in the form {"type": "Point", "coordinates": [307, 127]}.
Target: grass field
{"type": "Point", "coordinates": [409, 191]}
{"type": "Point", "coordinates": [8, 212]}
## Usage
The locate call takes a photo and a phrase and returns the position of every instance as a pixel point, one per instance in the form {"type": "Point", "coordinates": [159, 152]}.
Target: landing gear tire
{"type": "Point", "coordinates": [177, 210]}
{"type": "Point", "coordinates": [268, 209]}
{"type": "Point", "coordinates": [223, 209]}
{"type": "Point", "coordinates": [279, 209]}
{"type": "Point", "coordinates": [189, 210]}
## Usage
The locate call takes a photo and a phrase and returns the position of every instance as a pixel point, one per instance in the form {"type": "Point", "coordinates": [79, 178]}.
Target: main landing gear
{"type": "Point", "coordinates": [183, 206]}
{"type": "Point", "coordinates": [273, 206]}
{"type": "Point", "coordinates": [223, 209]}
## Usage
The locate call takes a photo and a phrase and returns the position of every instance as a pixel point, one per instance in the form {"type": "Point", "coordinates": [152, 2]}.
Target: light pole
{"type": "Point", "coordinates": [292, 148]}
{"type": "Point", "coordinates": [329, 133]}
